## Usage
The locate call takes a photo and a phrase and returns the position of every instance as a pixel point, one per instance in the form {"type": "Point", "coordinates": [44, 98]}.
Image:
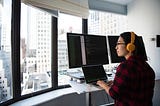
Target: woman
{"type": "Point", "coordinates": [134, 80]}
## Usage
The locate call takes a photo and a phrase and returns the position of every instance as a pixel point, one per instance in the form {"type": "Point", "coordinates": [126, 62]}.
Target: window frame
{"type": "Point", "coordinates": [15, 55]}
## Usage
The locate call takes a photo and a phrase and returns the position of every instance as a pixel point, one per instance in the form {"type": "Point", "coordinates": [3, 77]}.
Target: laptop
{"type": "Point", "coordinates": [94, 73]}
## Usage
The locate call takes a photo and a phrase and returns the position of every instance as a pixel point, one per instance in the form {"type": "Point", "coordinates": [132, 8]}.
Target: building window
{"type": "Point", "coordinates": [34, 37]}
{"type": "Point", "coordinates": [105, 23]}
{"type": "Point", "coordinates": [5, 51]}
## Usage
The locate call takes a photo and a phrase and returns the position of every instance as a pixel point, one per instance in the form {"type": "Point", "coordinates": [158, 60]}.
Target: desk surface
{"type": "Point", "coordinates": [83, 87]}
{"type": "Point", "coordinates": [88, 89]}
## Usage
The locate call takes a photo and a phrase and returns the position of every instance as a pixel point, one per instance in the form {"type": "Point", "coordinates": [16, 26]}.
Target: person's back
{"type": "Point", "coordinates": [137, 79]}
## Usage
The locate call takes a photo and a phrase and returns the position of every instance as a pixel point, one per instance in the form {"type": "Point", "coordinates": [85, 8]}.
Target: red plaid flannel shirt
{"type": "Point", "coordinates": [133, 84]}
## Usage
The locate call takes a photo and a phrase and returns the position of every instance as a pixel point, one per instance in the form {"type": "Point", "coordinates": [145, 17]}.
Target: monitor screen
{"type": "Point", "coordinates": [74, 50]}
{"type": "Point", "coordinates": [112, 40]}
{"type": "Point", "coordinates": [96, 50]}
{"type": "Point", "coordinates": [85, 49]}
{"type": "Point", "coordinates": [158, 40]}
{"type": "Point", "coordinates": [94, 73]}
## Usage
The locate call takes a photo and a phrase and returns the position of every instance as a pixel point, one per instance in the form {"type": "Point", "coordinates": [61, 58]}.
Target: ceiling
{"type": "Point", "coordinates": [122, 2]}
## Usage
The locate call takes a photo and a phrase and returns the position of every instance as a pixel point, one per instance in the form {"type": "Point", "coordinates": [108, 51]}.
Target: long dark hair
{"type": "Point", "coordinates": [138, 42]}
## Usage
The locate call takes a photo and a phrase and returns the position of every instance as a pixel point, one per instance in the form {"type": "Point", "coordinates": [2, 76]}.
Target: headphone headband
{"type": "Point", "coordinates": [132, 37]}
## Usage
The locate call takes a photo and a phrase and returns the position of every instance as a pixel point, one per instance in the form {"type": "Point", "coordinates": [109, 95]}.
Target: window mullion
{"type": "Point", "coordinates": [54, 52]}
{"type": "Point", "coordinates": [15, 45]}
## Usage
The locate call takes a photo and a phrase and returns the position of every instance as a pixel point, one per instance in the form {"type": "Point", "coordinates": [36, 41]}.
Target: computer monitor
{"type": "Point", "coordinates": [158, 40]}
{"type": "Point", "coordinates": [112, 40]}
{"type": "Point", "coordinates": [74, 50]}
{"type": "Point", "coordinates": [86, 49]}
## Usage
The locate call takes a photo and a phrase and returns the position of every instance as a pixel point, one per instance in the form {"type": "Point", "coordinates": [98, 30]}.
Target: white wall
{"type": "Point", "coordinates": [144, 20]}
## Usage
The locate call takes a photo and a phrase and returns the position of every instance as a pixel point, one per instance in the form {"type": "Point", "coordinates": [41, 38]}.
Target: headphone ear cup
{"type": "Point", "coordinates": [130, 47]}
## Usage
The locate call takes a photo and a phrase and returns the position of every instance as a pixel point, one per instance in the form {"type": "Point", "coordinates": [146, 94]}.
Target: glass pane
{"type": "Point", "coordinates": [104, 23]}
{"type": "Point", "coordinates": [66, 23]}
{"type": "Point", "coordinates": [5, 51]}
{"type": "Point", "coordinates": [35, 49]}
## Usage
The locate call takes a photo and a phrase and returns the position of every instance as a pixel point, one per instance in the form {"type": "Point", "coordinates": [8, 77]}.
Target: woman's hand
{"type": "Point", "coordinates": [110, 83]}
{"type": "Point", "coordinates": [104, 85]}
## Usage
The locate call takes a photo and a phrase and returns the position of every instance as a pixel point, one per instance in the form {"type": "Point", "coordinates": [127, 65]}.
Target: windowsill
{"type": "Point", "coordinates": [44, 97]}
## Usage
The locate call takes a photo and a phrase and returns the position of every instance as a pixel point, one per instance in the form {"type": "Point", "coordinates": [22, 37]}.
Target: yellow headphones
{"type": "Point", "coordinates": [130, 46]}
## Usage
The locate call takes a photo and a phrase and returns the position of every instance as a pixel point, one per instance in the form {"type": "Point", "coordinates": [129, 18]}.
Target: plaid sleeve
{"type": "Point", "coordinates": [119, 82]}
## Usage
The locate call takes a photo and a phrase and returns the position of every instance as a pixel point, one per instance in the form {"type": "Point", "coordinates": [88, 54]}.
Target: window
{"type": "Point", "coordinates": [67, 23]}
{"type": "Point", "coordinates": [5, 51]}
{"type": "Point", "coordinates": [104, 23]}
{"type": "Point", "coordinates": [35, 46]}
{"type": "Point", "coordinates": [35, 49]}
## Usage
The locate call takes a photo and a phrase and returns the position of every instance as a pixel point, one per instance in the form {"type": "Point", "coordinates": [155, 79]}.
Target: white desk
{"type": "Point", "coordinates": [85, 88]}
{"type": "Point", "coordinates": [80, 87]}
